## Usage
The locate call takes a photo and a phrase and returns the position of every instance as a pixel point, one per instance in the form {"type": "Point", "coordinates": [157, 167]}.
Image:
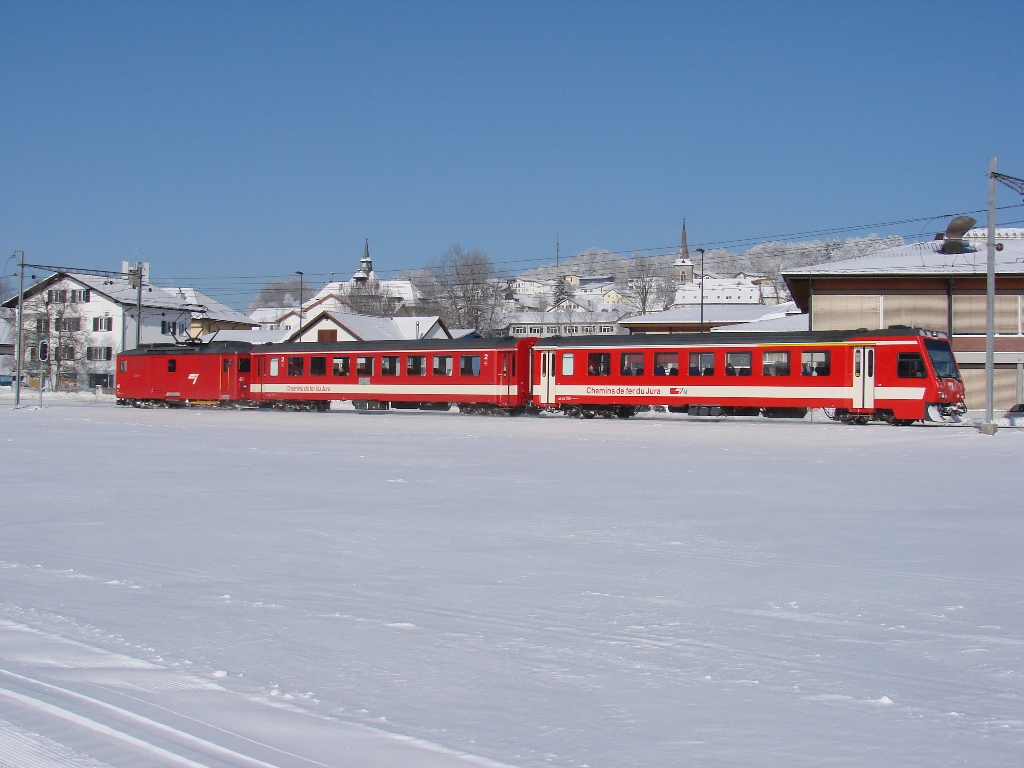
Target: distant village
{"type": "Point", "coordinates": [86, 317]}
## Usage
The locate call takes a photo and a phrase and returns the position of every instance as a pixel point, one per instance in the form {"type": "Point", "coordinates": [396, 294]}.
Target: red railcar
{"type": "Point", "coordinates": [207, 374]}
{"type": "Point", "coordinates": [895, 375]}
{"type": "Point", "coordinates": [478, 374]}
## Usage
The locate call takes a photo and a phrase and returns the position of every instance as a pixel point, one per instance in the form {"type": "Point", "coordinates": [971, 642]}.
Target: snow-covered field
{"type": "Point", "coordinates": [419, 589]}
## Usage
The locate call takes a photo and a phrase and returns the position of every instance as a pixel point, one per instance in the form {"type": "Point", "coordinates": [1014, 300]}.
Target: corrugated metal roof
{"type": "Point", "coordinates": [928, 259]}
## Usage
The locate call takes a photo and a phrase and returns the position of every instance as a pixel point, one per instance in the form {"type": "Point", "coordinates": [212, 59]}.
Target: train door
{"type": "Point", "coordinates": [547, 378]}
{"type": "Point", "coordinates": [863, 377]}
{"type": "Point", "coordinates": [506, 374]}
{"type": "Point", "coordinates": [227, 372]}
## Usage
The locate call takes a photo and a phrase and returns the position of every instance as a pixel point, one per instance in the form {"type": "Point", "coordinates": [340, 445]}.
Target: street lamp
{"type": "Point", "coordinates": [701, 252]}
{"type": "Point", "coordinates": [297, 272]}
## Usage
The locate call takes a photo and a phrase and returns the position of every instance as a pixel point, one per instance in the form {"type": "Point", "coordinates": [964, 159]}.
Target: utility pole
{"type": "Point", "coordinates": [701, 252]}
{"type": "Point", "coordinates": [989, 426]}
{"type": "Point", "coordinates": [135, 280]}
{"type": "Point", "coordinates": [558, 250]}
{"type": "Point", "coordinates": [21, 332]}
{"type": "Point", "coordinates": [300, 303]}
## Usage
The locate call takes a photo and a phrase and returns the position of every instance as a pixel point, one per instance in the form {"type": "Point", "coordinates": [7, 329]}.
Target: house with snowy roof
{"type": "Point", "coordinates": [87, 320]}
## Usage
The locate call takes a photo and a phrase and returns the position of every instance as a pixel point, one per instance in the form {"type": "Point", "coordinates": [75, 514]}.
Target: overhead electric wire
{"type": "Point", "coordinates": [244, 287]}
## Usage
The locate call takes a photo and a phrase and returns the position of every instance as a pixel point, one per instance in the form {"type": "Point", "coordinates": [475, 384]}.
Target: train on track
{"type": "Point", "coordinates": [898, 375]}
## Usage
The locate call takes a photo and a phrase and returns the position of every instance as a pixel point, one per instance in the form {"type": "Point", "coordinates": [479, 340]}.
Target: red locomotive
{"type": "Point", "coordinates": [895, 375]}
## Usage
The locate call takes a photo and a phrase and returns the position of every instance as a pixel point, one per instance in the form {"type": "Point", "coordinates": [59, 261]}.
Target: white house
{"type": "Point", "coordinates": [335, 326]}
{"type": "Point", "coordinates": [87, 320]}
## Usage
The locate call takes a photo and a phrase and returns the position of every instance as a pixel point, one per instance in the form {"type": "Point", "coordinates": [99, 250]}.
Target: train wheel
{"type": "Point", "coordinates": [588, 414]}
{"type": "Point", "coordinates": [902, 422]}
{"type": "Point", "coordinates": [626, 412]}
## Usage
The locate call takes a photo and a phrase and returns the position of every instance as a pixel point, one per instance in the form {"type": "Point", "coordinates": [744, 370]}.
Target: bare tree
{"type": "Point", "coordinates": [647, 282]}
{"type": "Point", "coordinates": [54, 317]}
{"type": "Point", "coordinates": [371, 297]}
{"type": "Point", "coordinates": [280, 293]}
{"type": "Point", "coordinates": [465, 289]}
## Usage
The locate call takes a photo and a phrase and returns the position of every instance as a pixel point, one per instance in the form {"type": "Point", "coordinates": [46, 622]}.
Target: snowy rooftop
{"type": "Point", "coordinates": [713, 313]}
{"type": "Point", "coordinates": [928, 258]}
{"type": "Point", "coordinates": [794, 321]}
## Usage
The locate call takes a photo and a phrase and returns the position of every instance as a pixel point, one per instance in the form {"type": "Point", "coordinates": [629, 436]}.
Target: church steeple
{"type": "Point", "coordinates": [365, 264]}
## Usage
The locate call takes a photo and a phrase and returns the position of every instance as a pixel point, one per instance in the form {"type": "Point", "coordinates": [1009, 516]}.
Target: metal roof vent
{"type": "Point", "coordinates": [955, 230]}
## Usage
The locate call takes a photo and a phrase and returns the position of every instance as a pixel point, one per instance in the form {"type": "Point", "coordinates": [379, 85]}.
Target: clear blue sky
{"type": "Point", "coordinates": [223, 139]}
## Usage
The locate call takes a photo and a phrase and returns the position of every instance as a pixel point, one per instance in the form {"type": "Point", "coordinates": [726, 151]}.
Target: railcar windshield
{"type": "Point", "coordinates": [942, 358]}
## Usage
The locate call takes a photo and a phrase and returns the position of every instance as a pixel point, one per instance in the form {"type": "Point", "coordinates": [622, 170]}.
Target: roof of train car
{"type": "Point", "coordinates": [384, 346]}
{"type": "Point", "coordinates": [731, 339]}
{"type": "Point", "coordinates": [241, 347]}
{"type": "Point", "coordinates": [216, 347]}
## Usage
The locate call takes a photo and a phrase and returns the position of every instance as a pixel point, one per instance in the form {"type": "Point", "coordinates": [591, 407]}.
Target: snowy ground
{"type": "Point", "coordinates": [289, 589]}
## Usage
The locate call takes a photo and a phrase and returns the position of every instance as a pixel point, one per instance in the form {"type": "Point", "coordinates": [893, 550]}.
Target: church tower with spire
{"type": "Point", "coordinates": [365, 271]}
{"type": "Point", "coordinates": [683, 268]}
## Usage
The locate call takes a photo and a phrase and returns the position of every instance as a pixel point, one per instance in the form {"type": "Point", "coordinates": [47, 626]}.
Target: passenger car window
{"type": "Point", "coordinates": [416, 365]}
{"type": "Point", "coordinates": [666, 363]}
{"type": "Point", "coordinates": [364, 366]}
{"type": "Point", "coordinates": [775, 363]}
{"type": "Point", "coordinates": [632, 364]}
{"type": "Point", "coordinates": [341, 366]}
{"type": "Point", "coordinates": [815, 363]}
{"type": "Point", "coordinates": [568, 363]}
{"type": "Point", "coordinates": [274, 369]}
{"type": "Point", "coordinates": [389, 365]}
{"type": "Point", "coordinates": [910, 365]}
{"type": "Point", "coordinates": [469, 365]}
{"type": "Point", "coordinates": [599, 364]}
{"type": "Point", "coordinates": [295, 366]}
{"type": "Point", "coordinates": [442, 365]}
{"type": "Point", "coordinates": [172, 365]}
{"type": "Point", "coordinates": [737, 363]}
{"type": "Point", "coordinates": [702, 363]}
{"type": "Point", "coordinates": [318, 366]}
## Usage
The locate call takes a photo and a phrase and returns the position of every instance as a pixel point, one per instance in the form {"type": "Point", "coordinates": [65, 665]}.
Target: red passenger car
{"type": "Point", "coordinates": [173, 375]}
{"type": "Point", "coordinates": [478, 374]}
{"type": "Point", "coordinates": [896, 375]}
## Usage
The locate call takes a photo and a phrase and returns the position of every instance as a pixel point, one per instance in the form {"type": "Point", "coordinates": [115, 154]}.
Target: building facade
{"type": "Point", "coordinates": [939, 285]}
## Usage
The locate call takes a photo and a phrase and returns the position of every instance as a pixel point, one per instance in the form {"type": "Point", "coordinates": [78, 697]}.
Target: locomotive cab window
{"type": "Point", "coordinates": [910, 365]}
{"type": "Point", "coordinates": [737, 363]}
{"type": "Point", "coordinates": [244, 365]}
{"type": "Point", "coordinates": [775, 363]}
{"type": "Point", "coordinates": [172, 365]}
{"type": "Point", "coordinates": [389, 365]}
{"type": "Point", "coordinates": [416, 365]}
{"type": "Point", "coordinates": [364, 366]}
{"type": "Point", "coordinates": [442, 365]}
{"type": "Point", "coordinates": [666, 363]}
{"type": "Point", "coordinates": [469, 365]}
{"type": "Point", "coordinates": [816, 363]}
{"type": "Point", "coordinates": [702, 363]}
{"type": "Point", "coordinates": [317, 366]}
{"type": "Point", "coordinates": [942, 358]}
{"type": "Point", "coordinates": [632, 364]}
{"type": "Point", "coordinates": [340, 366]}
{"type": "Point", "coordinates": [568, 363]}
{"type": "Point", "coordinates": [296, 366]}
{"type": "Point", "coordinates": [599, 364]}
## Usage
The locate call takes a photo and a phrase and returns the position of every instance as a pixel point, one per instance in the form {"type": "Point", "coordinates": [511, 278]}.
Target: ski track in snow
{"type": "Point", "coordinates": [248, 588]}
